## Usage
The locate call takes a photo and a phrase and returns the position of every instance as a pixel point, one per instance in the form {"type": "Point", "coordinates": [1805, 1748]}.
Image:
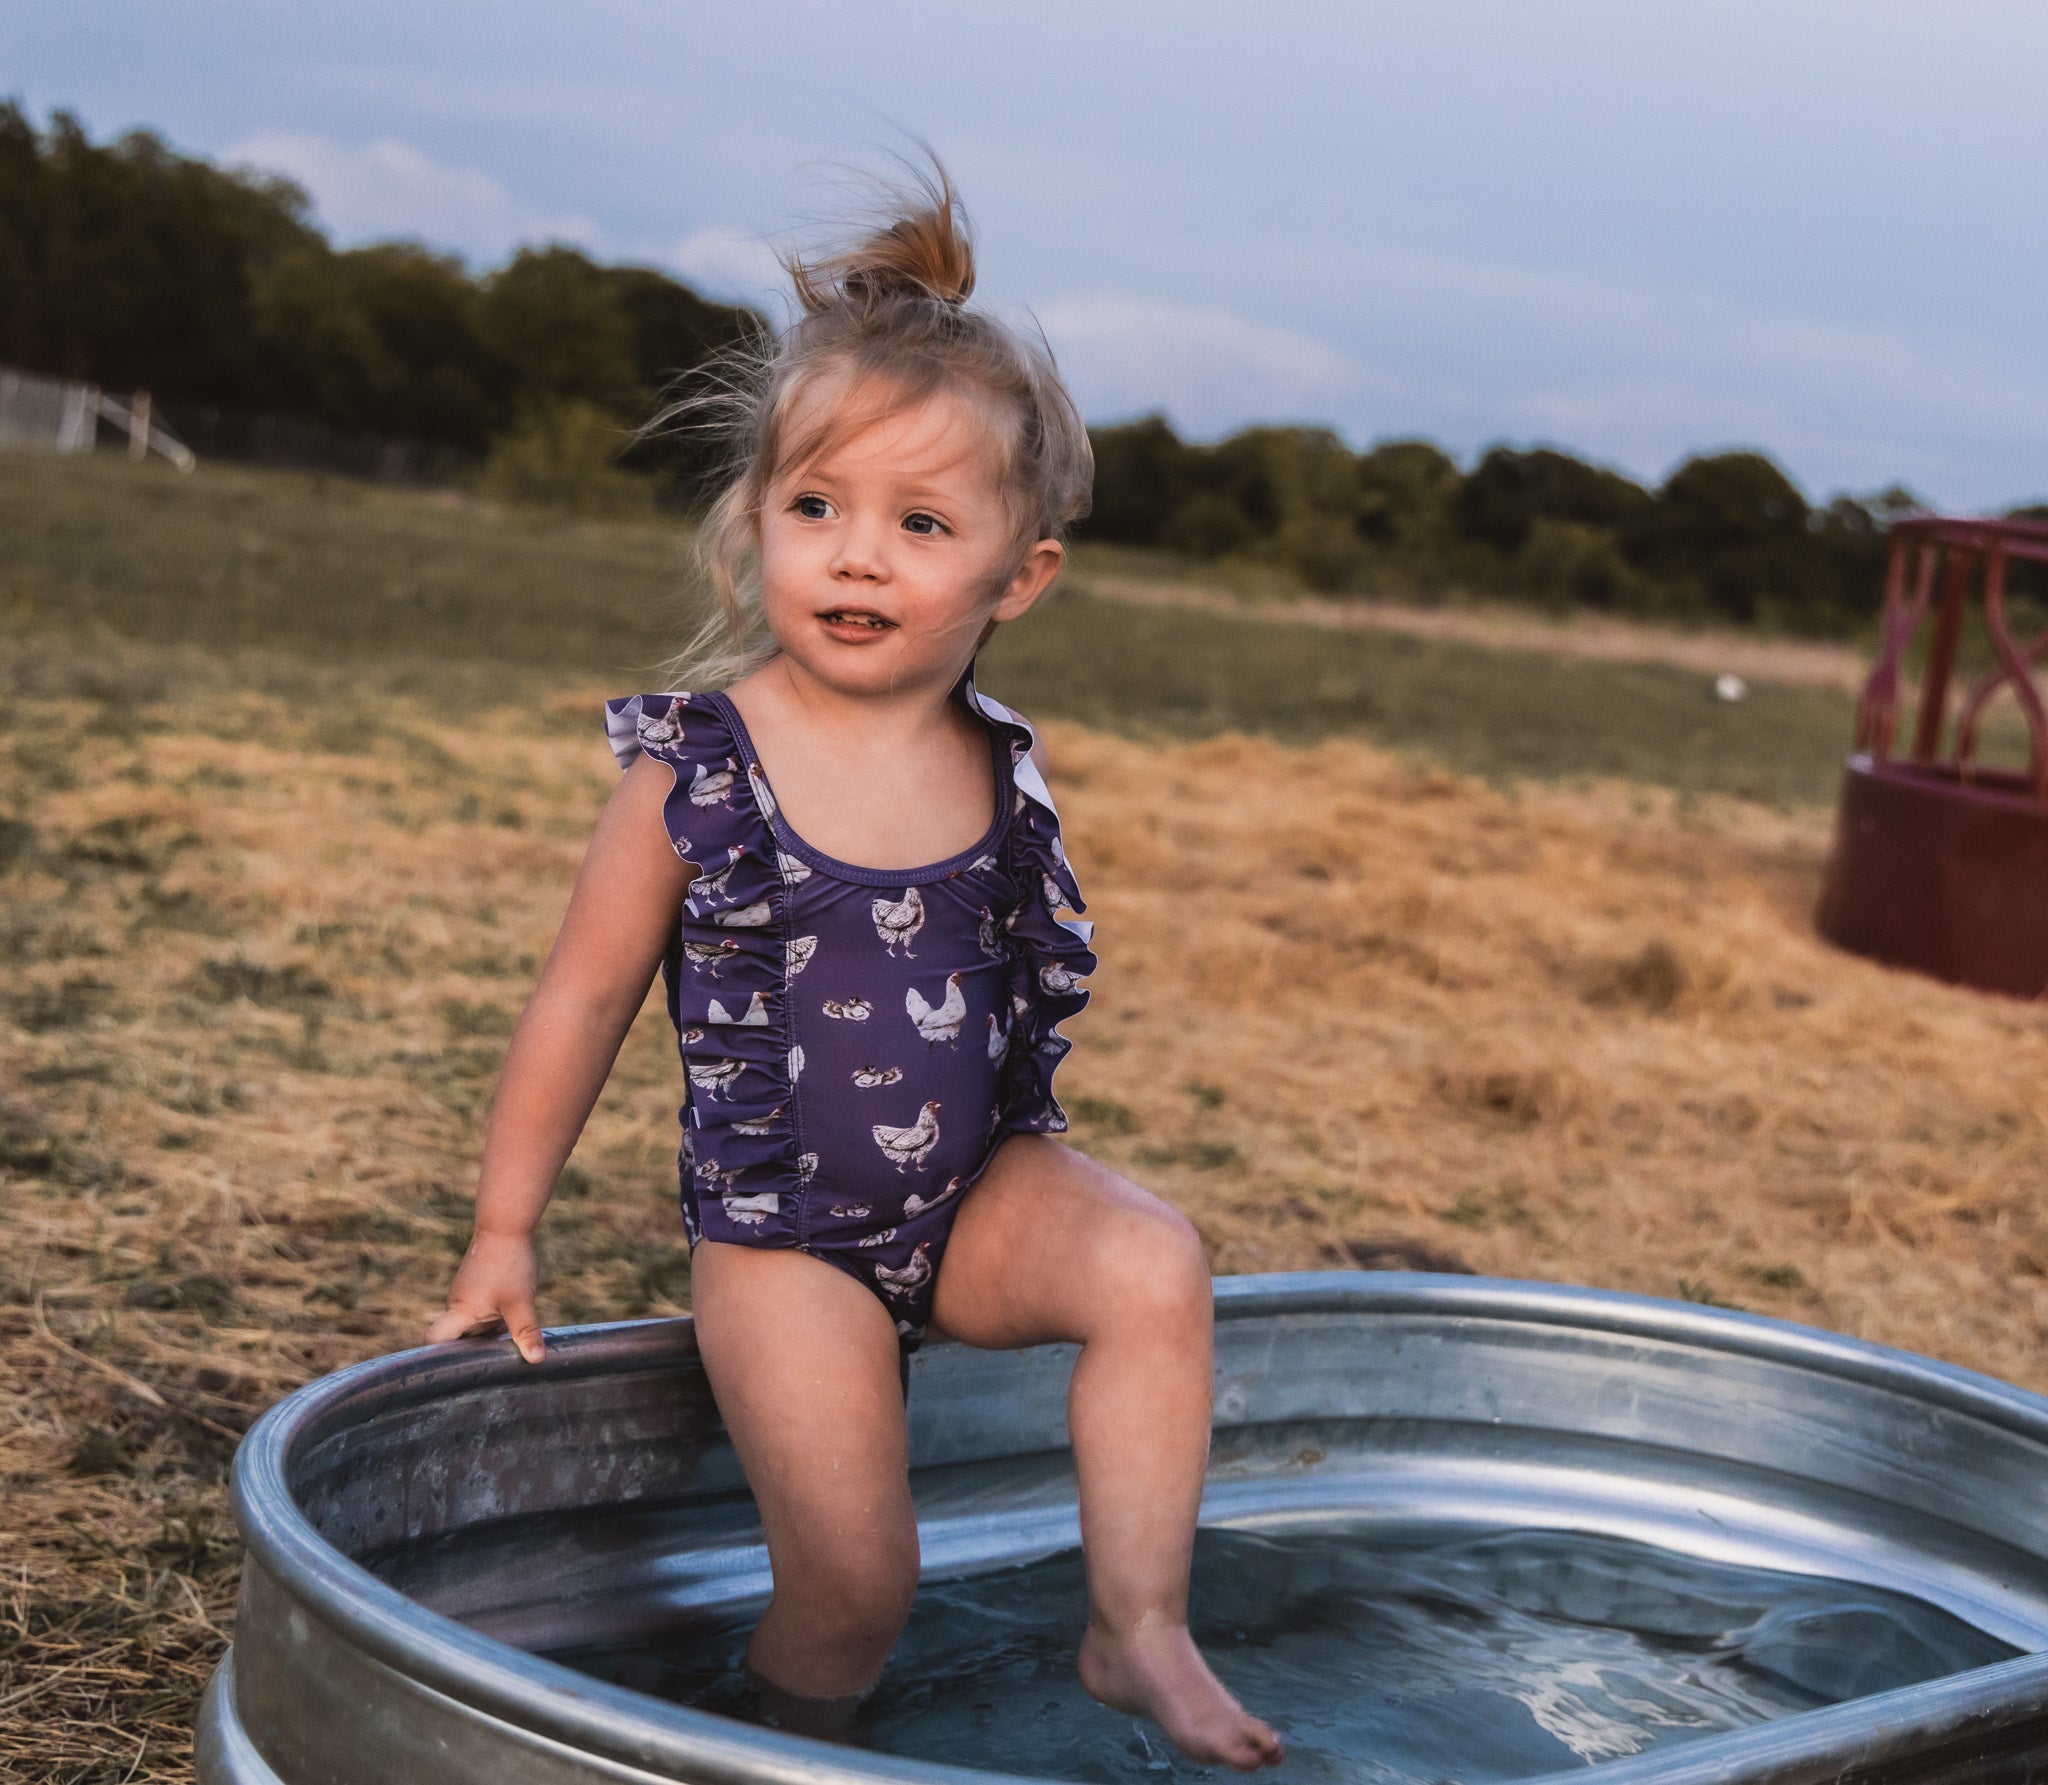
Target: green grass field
{"type": "Point", "coordinates": [286, 577]}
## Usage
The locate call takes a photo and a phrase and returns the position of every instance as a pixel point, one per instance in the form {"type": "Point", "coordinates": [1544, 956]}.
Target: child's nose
{"type": "Point", "coordinates": [861, 556]}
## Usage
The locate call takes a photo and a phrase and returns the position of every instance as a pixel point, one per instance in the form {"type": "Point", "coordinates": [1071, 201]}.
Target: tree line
{"type": "Point", "coordinates": [131, 265]}
{"type": "Point", "coordinates": [1727, 535]}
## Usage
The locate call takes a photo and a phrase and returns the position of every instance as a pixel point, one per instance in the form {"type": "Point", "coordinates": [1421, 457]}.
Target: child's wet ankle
{"type": "Point", "coordinates": [823, 1719]}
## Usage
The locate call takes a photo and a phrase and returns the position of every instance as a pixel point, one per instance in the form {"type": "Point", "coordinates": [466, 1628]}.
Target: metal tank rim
{"type": "Point", "coordinates": [634, 1731]}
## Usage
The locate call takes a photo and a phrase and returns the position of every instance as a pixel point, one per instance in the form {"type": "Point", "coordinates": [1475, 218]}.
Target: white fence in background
{"type": "Point", "coordinates": [53, 415]}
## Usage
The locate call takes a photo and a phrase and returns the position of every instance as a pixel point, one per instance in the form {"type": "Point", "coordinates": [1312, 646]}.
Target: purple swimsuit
{"type": "Point", "coordinates": [856, 1042]}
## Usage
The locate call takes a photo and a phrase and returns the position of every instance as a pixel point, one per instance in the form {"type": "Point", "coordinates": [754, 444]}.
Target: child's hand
{"type": "Point", "coordinates": [493, 1288]}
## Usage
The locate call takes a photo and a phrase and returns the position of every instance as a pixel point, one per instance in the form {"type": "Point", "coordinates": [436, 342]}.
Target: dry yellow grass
{"type": "Point", "coordinates": [1348, 1009]}
{"type": "Point", "coordinates": [1502, 626]}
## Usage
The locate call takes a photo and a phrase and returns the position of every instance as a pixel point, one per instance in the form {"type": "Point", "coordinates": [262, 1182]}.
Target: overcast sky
{"type": "Point", "coordinates": [1631, 228]}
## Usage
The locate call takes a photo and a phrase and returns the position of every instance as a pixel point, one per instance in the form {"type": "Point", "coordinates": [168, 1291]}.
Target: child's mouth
{"type": "Point", "coordinates": [855, 622]}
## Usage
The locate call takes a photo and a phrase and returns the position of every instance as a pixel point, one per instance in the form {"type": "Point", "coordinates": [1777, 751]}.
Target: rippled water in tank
{"type": "Point", "coordinates": [1477, 1660]}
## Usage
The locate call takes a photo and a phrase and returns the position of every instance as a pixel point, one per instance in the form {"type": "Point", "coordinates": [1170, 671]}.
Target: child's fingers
{"type": "Point", "coordinates": [462, 1323]}
{"type": "Point", "coordinates": [523, 1323]}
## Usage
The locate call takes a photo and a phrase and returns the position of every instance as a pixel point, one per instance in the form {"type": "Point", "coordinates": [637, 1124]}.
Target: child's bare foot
{"type": "Point", "coordinates": [1156, 1671]}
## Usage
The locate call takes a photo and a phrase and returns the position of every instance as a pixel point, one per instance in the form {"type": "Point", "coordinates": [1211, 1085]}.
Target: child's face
{"type": "Point", "coordinates": [884, 560]}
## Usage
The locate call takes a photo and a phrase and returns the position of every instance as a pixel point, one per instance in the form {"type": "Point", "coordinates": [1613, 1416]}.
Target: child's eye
{"type": "Point", "coordinates": [923, 523]}
{"type": "Point", "coordinates": [812, 508]}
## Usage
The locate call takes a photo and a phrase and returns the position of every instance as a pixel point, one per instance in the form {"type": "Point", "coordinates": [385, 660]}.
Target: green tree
{"type": "Point", "coordinates": [565, 455]}
{"type": "Point", "coordinates": [670, 329]}
{"type": "Point", "coordinates": [1723, 501]}
{"type": "Point", "coordinates": [673, 334]}
{"type": "Point", "coordinates": [1407, 494]}
{"type": "Point", "coordinates": [553, 317]}
{"type": "Point", "coordinates": [1734, 530]}
{"type": "Point", "coordinates": [129, 264]}
{"type": "Point", "coordinates": [1143, 474]}
{"type": "Point", "coordinates": [1509, 491]}
{"type": "Point", "coordinates": [382, 339]}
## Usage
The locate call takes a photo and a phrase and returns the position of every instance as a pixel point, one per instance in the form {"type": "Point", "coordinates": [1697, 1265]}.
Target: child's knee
{"type": "Point", "coordinates": [1154, 1271]}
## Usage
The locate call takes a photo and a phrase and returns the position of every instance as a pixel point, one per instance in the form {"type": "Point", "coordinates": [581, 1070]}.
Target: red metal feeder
{"type": "Point", "coordinates": [1941, 864]}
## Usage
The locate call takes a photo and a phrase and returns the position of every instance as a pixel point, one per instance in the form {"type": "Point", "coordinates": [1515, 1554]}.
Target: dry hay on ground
{"type": "Point", "coordinates": [1350, 1011]}
{"type": "Point", "coordinates": [1348, 1005]}
{"type": "Point", "coordinates": [1503, 626]}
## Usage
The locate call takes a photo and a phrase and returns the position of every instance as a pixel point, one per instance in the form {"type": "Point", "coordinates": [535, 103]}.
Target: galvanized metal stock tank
{"type": "Point", "coordinates": [1360, 1399]}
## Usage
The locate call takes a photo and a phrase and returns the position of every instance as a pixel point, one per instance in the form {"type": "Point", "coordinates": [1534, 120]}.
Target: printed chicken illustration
{"type": "Point", "coordinates": [712, 787]}
{"type": "Point", "coordinates": [906, 1147]}
{"type": "Point", "coordinates": [850, 1010]}
{"type": "Point", "coordinates": [659, 733]}
{"type": "Point", "coordinates": [914, 1204]}
{"type": "Point", "coordinates": [998, 1041]}
{"type": "Point", "coordinates": [750, 1211]}
{"type": "Point", "coordinates": [899, 920]}
{"type": "Point", "coordinates": [762, 794]}
{"type": "Point", "coordinates": [878, 1239]}
{"type": "Point", "coordinates": [709, 954]}
{"type": "Point", "coordinates": [794, 870]}
{"type": "Point", "coordinates": [712, 886]}
{"type": "Point", "coordinates": [868, 1077]}
{"type": "Point", "coordinates": [796, 1064]}
{"type": "Point", "coordinates": [943, 1022]}
{"type": "Point", "coordinates": [717, 1178]}
{"type": "Point", "coordinates": [911, 1278]}
{"type": "Point", "coordinates": [991, 943]}
{"type": "Point", "coordinates": [714, 1077]}
{"type": "Point", "coordinates": [758, 1125]}
{"type": "Point", "coordinates": [754, 1017]}
{"type": "Point", "coordinates": [797, 955]}
{"type": "Point", "coordinates": [1056, 978]}
{"type": "Point", "coordinates": [745, 917]}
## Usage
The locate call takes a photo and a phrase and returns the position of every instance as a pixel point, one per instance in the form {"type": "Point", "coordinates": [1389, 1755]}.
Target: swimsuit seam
{"type": "Point", "coordinates": [800, 1189]}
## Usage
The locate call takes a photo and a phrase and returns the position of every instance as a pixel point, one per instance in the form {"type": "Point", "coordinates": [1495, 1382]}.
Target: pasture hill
{"type": "Point", "coordinates": [293, 779]}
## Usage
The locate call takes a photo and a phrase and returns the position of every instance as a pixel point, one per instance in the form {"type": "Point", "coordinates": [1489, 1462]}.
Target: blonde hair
{"type": "Point", "coordinates": [886, 321]}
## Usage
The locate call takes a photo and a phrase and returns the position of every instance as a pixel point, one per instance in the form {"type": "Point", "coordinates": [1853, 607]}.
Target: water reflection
{"type": "Point", "coordinates": [1478, 1660]}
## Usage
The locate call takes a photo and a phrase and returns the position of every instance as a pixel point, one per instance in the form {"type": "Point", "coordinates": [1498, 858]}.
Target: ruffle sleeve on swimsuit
{"type": "Point", "coordinates": [730, 992]}
{"type": "Point", "coordinates": [1050, 953]}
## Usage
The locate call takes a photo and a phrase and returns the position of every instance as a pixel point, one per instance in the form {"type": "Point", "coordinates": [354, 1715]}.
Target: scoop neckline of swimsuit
{"type": "Point", "coordinates": [795, 845]}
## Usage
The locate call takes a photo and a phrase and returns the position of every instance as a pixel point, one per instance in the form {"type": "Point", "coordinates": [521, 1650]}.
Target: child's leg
{"type": "Point", "coordinates": [1051, 1246]}
{"type": "Point", "coordinates": [803, 1361]}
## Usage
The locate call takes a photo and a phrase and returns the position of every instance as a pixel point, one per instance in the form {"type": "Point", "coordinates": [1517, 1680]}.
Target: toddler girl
{"type": "Point", "coordinates": [869, 1046]}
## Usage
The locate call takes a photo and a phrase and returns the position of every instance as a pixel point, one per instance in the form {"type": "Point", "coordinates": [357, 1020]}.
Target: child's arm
{"type": "Point", "coordinates": [621, 915]}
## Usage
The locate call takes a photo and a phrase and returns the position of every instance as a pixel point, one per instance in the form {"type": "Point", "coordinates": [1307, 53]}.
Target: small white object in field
{"type": "Point", "coordinates": [1730, 688]}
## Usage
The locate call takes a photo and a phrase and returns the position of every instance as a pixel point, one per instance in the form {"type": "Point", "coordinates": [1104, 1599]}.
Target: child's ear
{"type": "Point", "coordinates": [1034, 576]}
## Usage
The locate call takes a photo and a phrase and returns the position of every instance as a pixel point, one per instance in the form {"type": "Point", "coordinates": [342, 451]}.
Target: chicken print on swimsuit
{"type": "Point", "coordinates": [712, 787]}
{"type": "Point", "coordinates": [899, 920]}
{"type": "Point", "coordinates": [816, 1116]}
{"type": "Point", "coordinates": [709, 954]}
{"type": "Point", "coordinates": [753, 1017]}
{"type": "Point", "coordinates": [942, 1023]}
{"type": "Point", "coordinates": [712, 886]}
{"type": "Point", "coordinates": [913, 1145]}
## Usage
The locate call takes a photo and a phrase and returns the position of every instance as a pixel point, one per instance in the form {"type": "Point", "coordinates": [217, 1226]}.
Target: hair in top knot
{"type": "Point", "coordinates": [883, 325]}
{"type": "Point", "coordinates": [925, 252]}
